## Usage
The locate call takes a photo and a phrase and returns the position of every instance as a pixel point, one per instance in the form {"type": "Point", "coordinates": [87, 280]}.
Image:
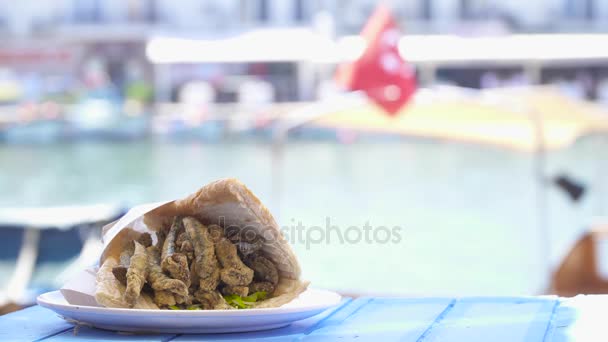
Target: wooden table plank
{"type": "Point", "coordinates": [384, 319]}
{"type": "Point", "coordinates": [90, 334]}
{"type": "Point", "coordinates": [495, 319]}
{"type": "Point", "coordinates": [293, 332]}
{"type": "Point", "coordinates": [377, 319]}
{"type": "Point", "coordinates": [31, 324]}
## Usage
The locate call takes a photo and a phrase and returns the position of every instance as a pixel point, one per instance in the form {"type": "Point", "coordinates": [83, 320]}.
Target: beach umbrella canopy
{"type": "Point", "coordinates": [519, 119]}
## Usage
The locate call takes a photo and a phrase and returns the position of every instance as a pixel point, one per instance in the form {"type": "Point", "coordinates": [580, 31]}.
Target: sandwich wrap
{"type": "Point", "coordinates": [227, 205]}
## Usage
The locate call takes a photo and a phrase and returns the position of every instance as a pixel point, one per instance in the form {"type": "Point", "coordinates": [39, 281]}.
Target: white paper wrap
{"type": "Point", "coordinates": [80, 289]}
{"type": "Point", "coordinates": [227, 201]}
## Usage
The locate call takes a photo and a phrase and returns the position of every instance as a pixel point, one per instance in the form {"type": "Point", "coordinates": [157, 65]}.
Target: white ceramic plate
{"type": "Point", "coordinates": [308, 304]}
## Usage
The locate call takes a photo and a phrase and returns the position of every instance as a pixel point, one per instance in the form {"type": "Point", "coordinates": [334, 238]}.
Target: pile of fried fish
{"type": "Point", "coordinates": [193, 266]}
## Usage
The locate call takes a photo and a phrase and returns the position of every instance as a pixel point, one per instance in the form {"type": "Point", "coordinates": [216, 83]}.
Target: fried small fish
{"type": "Point", "coordinates": [207, 267]}
{"type": "Point", "coordinates": [247, 248]}
{"type": "Point", "coordinates": [136, 274]}
{"type": "Point", "coordinates": [242, 291]}
{"type": "Point", "coordinates": [159, 281]}
{"type": "Point", "coordinates": [258, 286]}
{"type": "Point", "coordinates": [168, 246]}
{"type": "Point", "coordinates": [145, 240]}
{"type": "Point", "coordinates": [211, 300]}
{"type": "Point", "coordinates": [160, 237]}
{"type": "Point", "coordinates": [195, 281]}
{"type": "Point", "coordinates": [184, 246]}
{"type": "Point", "coordinates": [164, 298]}
{"type": "Point", "coordinates": [176, 264]}
{"type": "Point", "coordinates": [234, 271]}
{"type": "Point", "coordinates": [247, 241]}
{"type": "Point", "coordinates": [264, 269]}
{"type": "Point", "coordinates": [120, 271]}
{"type": "Point", "coordinates": [215, 233]}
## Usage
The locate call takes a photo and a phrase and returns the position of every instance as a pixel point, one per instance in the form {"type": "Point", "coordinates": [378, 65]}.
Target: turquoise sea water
{"type": "Point", "coordinates": [467, 215]}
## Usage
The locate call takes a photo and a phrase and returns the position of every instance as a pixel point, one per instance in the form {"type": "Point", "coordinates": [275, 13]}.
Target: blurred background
{"type": "Point", "coordinates": [479, 127]}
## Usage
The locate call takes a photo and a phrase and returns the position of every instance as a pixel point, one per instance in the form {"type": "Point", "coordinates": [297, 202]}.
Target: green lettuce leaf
{"type": "Point", "coordinates": [244, 302]}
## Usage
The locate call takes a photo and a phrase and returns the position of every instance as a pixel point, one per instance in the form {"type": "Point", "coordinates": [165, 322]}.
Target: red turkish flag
{"type": "Point", "coordinates": [380, 72]}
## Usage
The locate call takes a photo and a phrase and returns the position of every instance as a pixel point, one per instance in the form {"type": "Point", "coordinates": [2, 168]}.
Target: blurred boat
{"type": "Point", "coordinates": [217, 123]}
{"type": "Point", "coordinates": [178, 128]}
{"type": "Point", "coordinates": [31, 123]}
{"type": "Point", "coordinates": [584, 269]}
{"type": "Point", "coordinates": [41, 247]}
{"type": "Point", "coordinates": [34, 132]}
{"type": "Point", "coordinates": [103, 119]}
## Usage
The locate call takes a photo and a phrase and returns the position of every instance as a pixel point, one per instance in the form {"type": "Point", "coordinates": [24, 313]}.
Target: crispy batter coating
{"type": "Point", "coordinates": [237, 290]}
{"type": "Point", "coordinates": [247, 248]}
{"type": "Point", "coordinates": [126, 254]}
{"type": "Point", "coordinates": [164, 298]}
{"type": "Point", "coordinates": [181, 238]}
{"type": "Point", "coordinates": [234, 271]}
{"type": "Point", "coordinates": [160, 237]}
{"type": "Point", "coordinates": [136, 274]}
{"type": "Point", "coordinates": [195, 263]}
{"type": "Point", "coordinates": [120, 271]}
{"type": "Point", "coordinates": [194, 277]}
{"type": "Point", "coordinates": [184, 246]}
{"type": "Point", "coordinates": [159, 281]}
{"type": "Point", "coordinates": [258, 286]}
{"type": "Point", "coordinates": [247, 241]}
{"type": "Point", "coordinates": [212, 280]}
{"type": "Point", "coordinates": [216, 233]}
{"type": "Point", "coordinates": [211, 300]}
{"type": "Point", "coordinates": [145, 240]}
{"type": "Point", "coordinates": [176, 264]}
{"type": "Point", "coordinates": [264, 269]}
{"type": "Point", "coordinates": [168, 246]}
{"type": "Point", "coordinates": [207, 267]}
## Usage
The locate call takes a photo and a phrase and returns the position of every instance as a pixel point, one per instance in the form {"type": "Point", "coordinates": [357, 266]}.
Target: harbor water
{"type": "Point", "coordinates": [470, 219]}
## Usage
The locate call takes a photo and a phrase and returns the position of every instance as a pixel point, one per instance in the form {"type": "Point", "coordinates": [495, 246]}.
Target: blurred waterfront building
{"type": "Point", "coordinates": [33, 17]}
{"type": "Point", "coordinates": [52, 41]}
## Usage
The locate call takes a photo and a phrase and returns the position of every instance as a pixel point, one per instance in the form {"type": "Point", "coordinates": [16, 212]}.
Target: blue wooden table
{"type": "Point", "coordinates": [581, 318]}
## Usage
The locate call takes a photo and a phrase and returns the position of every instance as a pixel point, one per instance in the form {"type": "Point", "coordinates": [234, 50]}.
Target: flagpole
{"type": "Point", "coordinates": [539, 167]}
{"type": "Point", "coordinates": [542, 205]}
